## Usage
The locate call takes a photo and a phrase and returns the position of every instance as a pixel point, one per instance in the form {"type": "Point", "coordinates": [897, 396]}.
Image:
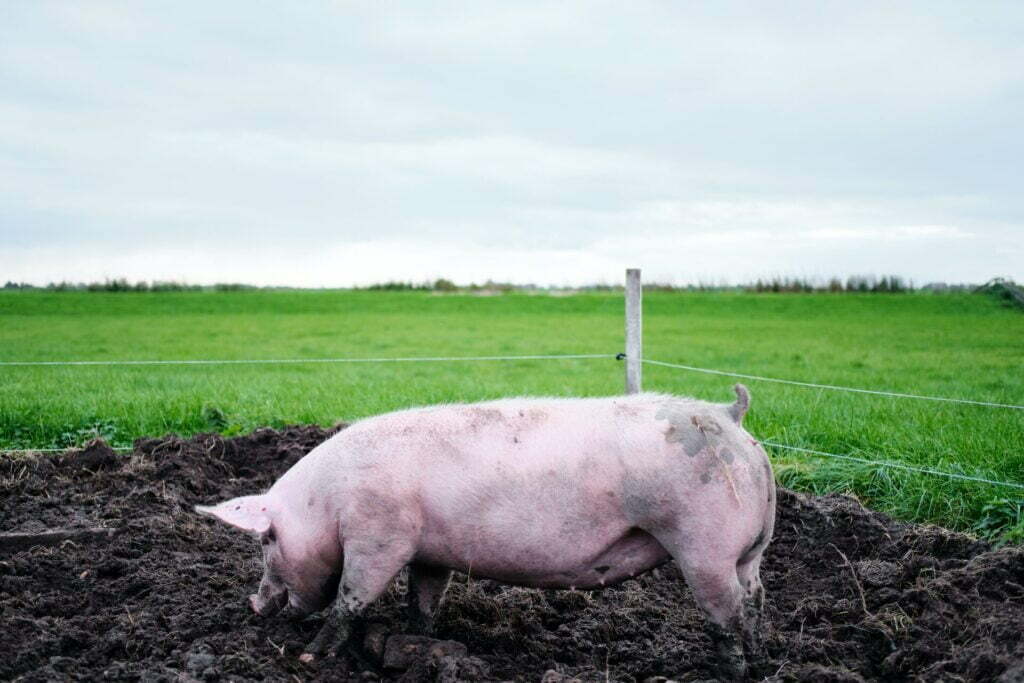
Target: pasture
{"type": "Point", "coordinates": [146, 590]}
{"type": "Point", "coordinates": [953, 345]}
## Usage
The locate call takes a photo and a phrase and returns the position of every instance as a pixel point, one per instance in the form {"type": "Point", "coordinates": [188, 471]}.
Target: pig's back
{"type": "Point", "coordinates": [534, 447]}
{"type": "Point", "coordinates": [510, 441]}
{"type": "Point", "coordinates": [517, 432]}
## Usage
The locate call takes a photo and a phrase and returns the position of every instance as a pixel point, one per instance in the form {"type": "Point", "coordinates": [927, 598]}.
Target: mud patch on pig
{"type": "Point", "coordinates": [165, 600]}
{"type": "Point", "coordinates": [681, 430]}
{"type": "Point", "coordinates": [694, 432]}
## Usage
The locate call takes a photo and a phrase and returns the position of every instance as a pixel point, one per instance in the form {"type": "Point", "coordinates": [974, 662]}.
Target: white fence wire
{"type": "Point", "coordinates": [22, 451]}
{"type": "Point", "coordinates": [812, 385]}
{"type": "Point", "coordinates": [266, 361]}
{"type": "Point", "coordinates": [413, 359]}
{"type": "Point", "coordinates": [894, 465]}
{"type": "Point", "coordinates": [852, 458]}
{"type": "Point", "coordinates": [272, 361]}
{"type": "Point", "coordinates": [620, 356]}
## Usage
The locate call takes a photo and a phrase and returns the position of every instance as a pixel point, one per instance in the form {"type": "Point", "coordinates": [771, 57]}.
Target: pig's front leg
{"type": "Point", "coordinates": [369, 567]}
{"type": "Point", "coordinates": [427, 586]}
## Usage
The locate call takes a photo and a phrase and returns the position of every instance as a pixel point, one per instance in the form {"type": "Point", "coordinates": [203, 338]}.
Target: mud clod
{"type": "Point", "coordinates": [201, 664]}
{"type": "Point", "coordinates": [375, 640]}
{"type": "Point", "coordinates": [165, 598]}
{"type": "Point", "coordinates": [96, 455]}
{"type": "Point", "coordinates": [402, 651]}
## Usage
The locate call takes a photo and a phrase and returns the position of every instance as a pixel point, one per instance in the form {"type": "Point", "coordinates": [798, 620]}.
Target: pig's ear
{"type": "Point", "coordinates": [248, 513]}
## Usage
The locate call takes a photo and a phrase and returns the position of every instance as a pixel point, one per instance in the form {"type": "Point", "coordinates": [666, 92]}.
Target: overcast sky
{"type": "Point", "coordinates": [339, 143]}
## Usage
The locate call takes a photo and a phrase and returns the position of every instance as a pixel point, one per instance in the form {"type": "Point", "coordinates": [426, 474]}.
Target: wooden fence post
{"type": "Point", "coordinates": [634, 347]}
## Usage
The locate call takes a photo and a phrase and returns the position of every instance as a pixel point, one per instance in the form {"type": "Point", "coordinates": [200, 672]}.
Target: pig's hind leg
{"type": "Point", "coordinates": [712, 577]}
{"type": "Point", "coordinates": [369, 568]}
{"type": "Point", "coordinates": [427, 586]}
{"type": "Point", "coordinates": [748, 569]}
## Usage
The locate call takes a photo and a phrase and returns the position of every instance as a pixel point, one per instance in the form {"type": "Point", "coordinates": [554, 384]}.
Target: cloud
{"type": "Point", "coordinates": [898, 232]}
{"type": "Point", "coordinates": [822, 137]}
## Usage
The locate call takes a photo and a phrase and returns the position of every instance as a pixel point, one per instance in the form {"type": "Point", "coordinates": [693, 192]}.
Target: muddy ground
{"type": "Point", "coordinates": [852, 595]}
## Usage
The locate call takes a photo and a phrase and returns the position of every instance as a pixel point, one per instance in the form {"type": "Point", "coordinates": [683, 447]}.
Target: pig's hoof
{"type": "Point", "coordinates": [307, 658]}
{"type": "Point", "coordinates": [332, 638]}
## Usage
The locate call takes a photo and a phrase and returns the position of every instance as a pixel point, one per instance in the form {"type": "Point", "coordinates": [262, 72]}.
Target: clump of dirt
{"type": "Point", "coordinates": [851, 594]}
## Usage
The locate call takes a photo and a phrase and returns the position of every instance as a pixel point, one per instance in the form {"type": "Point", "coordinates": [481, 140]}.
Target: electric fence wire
{"type": "Point", "coordinates": [271, 361]}
{"type": "Point", "coordinates": [812, 385]}
{"type": "Point", "coordinates": [894, 465]}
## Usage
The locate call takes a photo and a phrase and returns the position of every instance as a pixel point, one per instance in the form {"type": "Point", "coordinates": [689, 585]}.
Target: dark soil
{"type": "Point", "coordinates": [852, 595]}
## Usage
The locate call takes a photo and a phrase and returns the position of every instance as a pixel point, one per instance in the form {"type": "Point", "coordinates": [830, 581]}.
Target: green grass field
{"type": "Point", "coordinates": [955, 345]}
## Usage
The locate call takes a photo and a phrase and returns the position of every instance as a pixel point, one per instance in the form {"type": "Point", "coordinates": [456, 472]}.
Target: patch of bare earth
{"type": "Point", "coordinates": [135, 586]}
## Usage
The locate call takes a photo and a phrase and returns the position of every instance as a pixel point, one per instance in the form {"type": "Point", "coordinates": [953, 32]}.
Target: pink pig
{"type": "Point", "coordinates": [545, 492]}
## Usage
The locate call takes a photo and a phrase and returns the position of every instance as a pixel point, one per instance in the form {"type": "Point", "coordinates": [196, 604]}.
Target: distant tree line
{"type": "Point", "coordinates": [446, 285]}
{"type": "Point", "coordinates": [123, 285]}
{"type": "Point", "coordinates": [855, 283]}
{"type": "Point", "coordinates": [865, 284]}
{"type": "Point", "coordinates": [889, 284]}
{"type": "Point", "coordinates": [1007, 291]}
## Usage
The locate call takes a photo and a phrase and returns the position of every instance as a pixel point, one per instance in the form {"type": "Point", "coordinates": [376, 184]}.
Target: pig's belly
{"type": "Point", "coordinates": [567, 563]}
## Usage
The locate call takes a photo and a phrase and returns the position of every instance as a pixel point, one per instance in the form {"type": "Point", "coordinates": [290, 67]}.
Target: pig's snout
{"type": "Point", "coordinates": [268, 606]}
